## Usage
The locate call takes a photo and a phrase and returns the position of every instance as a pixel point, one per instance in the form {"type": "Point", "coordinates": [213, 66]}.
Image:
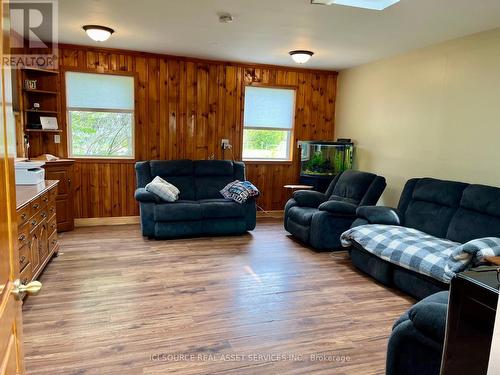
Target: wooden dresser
{"type": "Point", "coordinates": [62, 170]}
{"type": "Point", "coordinates": [37, 228]}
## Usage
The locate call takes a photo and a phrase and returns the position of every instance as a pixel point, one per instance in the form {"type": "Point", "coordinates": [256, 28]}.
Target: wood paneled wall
{"type": "Point", "coordinates": [184, 107]}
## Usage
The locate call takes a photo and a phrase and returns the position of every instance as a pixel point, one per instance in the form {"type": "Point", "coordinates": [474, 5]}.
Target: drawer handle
{"type": "Point", "coordinates": [35, 206]}
{"type": "Point", "coordinates": [22, 259]}
{"type": "Point", "coordinates": [33, 222]}
{"type": "Point", "coordinates": [54, 241]}
{"type": "Point", "coordinates": [29, 243]}
{"type": "Point", "coordinates": [45, 199]}
{"type": "Point", "coordinates": [52, 209]}
{"type": "Point", "coordinates": [43, 215]}
{"type": "Point", "coordinates": [25, 281]}
{"type": "Point", "coordinates": [22, 237]}
{"type": "Point", "coordinates": [23, 216]}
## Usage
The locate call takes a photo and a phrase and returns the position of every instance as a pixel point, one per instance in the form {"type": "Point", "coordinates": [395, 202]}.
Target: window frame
{"type": "Point", "coordinates": [69, 133]}
{"type": "Point", "coordinates": [290, 131]}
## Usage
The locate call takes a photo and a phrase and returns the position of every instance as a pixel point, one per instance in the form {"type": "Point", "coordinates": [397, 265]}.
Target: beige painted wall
{"type": "Point", "coordinates": [433, 112]}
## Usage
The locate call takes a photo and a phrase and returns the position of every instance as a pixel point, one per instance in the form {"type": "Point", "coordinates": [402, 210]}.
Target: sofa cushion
{"type": "Point", "coordinates": [178, 211]}
{"type": "Point", "coordinates": [444, 193]}
{"type": "Point", "coordinates": [209, 187]}
{"type": "Point", "coordinates": [478, 215]}
{"type": "Point", "coordinates": [339, 208]}
{"type": "Point", "coordinates": [302, 215]}
{"type": "Point", "coordinates": [432, 206]}
{"type": "Point", "coordinates": [221, 208]}
{"type": "Point", "coordinates": [177, 172]}
{"type": "Point", "coordinates": [171, 168]}
{"type": "Point", "coordinates": [213, 168]}
{"type": "Point", "coordinates": [352, 186]}
{"type": "Point", "coordinates": [405, 247]}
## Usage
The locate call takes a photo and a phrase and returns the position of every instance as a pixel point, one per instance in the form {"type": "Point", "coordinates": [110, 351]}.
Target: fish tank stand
{"type": "Point", "coordinates": [321, 161]}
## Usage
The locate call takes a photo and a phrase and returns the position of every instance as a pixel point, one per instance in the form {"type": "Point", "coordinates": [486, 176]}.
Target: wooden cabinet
{"type": "Point", "coordinates": [37, 235]}
{"type": "Point", "coordinates": [62, 170]}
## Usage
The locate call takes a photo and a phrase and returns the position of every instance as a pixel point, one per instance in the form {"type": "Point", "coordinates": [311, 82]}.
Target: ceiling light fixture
{"type": "Point", "coordinates": [301, 56]}
{"type": "Point", "coordinates": [365, 4]}
{"type": "Point", "coordinates": [98, 33]}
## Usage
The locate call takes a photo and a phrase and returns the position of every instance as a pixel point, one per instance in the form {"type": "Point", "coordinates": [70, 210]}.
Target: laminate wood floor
{"type": "Point", "coordinates": [115, 303]}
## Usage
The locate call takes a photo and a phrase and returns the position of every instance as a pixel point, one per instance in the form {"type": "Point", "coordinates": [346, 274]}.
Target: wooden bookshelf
{"type": "Point", "coordinates": [40, 70]}
{"type": "Point", "coordinates": [47, 94]}
{"type": "Point", "coordinates": [43, 130]}
{"type": "Point", "coordinates": [33, 91]}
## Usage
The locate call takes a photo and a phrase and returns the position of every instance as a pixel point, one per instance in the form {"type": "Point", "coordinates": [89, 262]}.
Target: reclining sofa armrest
{"type": "Point", "coordinates": [430, 318]}
{"type": "Point", "coordinates": [339, 208]}
{"type": "Point", "coordinates": [380, 215]}
{"type": "Point", "coordinates": [144, 196]}
{"type": "Point", "coordinates": [308, 198]}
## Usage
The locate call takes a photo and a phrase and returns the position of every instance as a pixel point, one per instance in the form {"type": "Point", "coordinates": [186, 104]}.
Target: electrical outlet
{"type": "Point", "coordinates": [57, 138]}
{"type": "Point", "coordinates": [225, 144]}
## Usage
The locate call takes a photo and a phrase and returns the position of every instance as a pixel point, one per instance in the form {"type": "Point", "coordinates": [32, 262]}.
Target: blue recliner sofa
{"type": "Point", "coordinates": [447, 210]}
{"type": "Point", "coordinates": [319, 219]}
{"type": "Point", "coordinates": [201, 209]}
{"type": "Point", "coordinates": [417, 339]}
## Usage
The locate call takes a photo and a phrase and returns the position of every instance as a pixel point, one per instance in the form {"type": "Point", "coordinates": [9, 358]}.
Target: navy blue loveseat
{"type": "Point", "coordinates": [201, 209]}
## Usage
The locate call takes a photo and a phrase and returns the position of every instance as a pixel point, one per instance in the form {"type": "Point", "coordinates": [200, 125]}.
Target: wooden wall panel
{"type": "Point", "coordinates": [184, 107]}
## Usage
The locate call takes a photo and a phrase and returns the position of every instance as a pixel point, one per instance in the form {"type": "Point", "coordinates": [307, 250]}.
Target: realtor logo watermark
{"type": "Point", "coordinates": [33, 34]}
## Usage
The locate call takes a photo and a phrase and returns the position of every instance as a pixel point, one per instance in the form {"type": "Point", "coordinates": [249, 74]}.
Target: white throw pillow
{"type": "Point", "coordinates": [163, 189]}
{"type": "Point", "coordinates": [172, 188]}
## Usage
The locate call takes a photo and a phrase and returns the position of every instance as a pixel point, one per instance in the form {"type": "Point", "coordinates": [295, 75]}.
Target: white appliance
{"type": "Point", "coordinates": [29, 172]}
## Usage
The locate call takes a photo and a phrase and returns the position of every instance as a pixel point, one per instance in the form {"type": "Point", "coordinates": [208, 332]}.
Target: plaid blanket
{"type": "Point", "coordinates": [406, 247]}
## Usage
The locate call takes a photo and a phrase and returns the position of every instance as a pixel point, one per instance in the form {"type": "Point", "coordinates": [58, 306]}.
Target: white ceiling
{"type": "Point", "coordinates": [264, 31]}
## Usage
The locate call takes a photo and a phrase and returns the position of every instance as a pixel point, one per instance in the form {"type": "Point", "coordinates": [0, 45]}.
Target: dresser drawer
{"type": "Point", "coordinates": [52, 226]}
{"type": "Point", "coordinates": [23, 234]}
{"type": "Point", "coordinates": [24, 258]}
{"type": "Point", "coordinates": [53, 241]}
{"type": "Point", "coordinates": [35, 206]}
{"type": "Point", "coordinates": [52, 194]}
{"type": "Point", "coordinates": [25, 275]}
{"type": "Point", "coordinates": [44, 199]}
{"type": "Point", "coordinates": [51, 208]}
{"type": "Point", "coordinates": [23, 214]}
{"type": "Point", "coordinates": [38, 218]}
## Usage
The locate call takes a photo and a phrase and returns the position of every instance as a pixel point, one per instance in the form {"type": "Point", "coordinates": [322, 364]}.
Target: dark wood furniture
{"type": "Point", "coordinates": [62, 170]}
{"type": "Point", "coordinates": [471, 318]}
{"type": "Point", "coordinates": [37, 228]}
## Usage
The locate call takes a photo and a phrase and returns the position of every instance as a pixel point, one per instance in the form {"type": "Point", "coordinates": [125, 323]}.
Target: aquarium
{"type": "Point", "coordinates": [325, 159]}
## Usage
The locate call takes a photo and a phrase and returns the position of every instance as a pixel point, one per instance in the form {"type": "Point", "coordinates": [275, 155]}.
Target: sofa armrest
{"type": "Point", "coordinates": [308, 198]}
{"type": "Point", "coordinates": [339, 208]}
{"type": "Point", "coordinates": [379, 215]}
{"type": "Point", "coordinates": [144, 196]}
{"type": "Point", "coordinates": [430, 319]}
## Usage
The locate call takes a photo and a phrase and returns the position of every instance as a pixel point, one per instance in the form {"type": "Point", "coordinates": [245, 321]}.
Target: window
{"type": "Point", "coordinates": [100, 115]}
{"type": "Point", "coordinates": [268, 123]}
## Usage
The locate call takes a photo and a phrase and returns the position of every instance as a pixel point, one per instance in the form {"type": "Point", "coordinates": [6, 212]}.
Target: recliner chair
{"type": "Point", "coordinates": [319, 219]}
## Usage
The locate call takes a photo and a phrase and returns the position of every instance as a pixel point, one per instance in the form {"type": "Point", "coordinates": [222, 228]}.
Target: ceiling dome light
{"type": "Point", "coordinates": [98, 33]}
{"type": "Point", "coordinates": [301, 56]}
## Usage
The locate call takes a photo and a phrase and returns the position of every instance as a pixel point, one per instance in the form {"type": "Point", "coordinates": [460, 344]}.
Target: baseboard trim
{"type": "Point", "coordinates": [124, 220]}
{"type": "Point", "coordinates": [98, 221]}
{"type": "Point", "coordinates": [278, 214]}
